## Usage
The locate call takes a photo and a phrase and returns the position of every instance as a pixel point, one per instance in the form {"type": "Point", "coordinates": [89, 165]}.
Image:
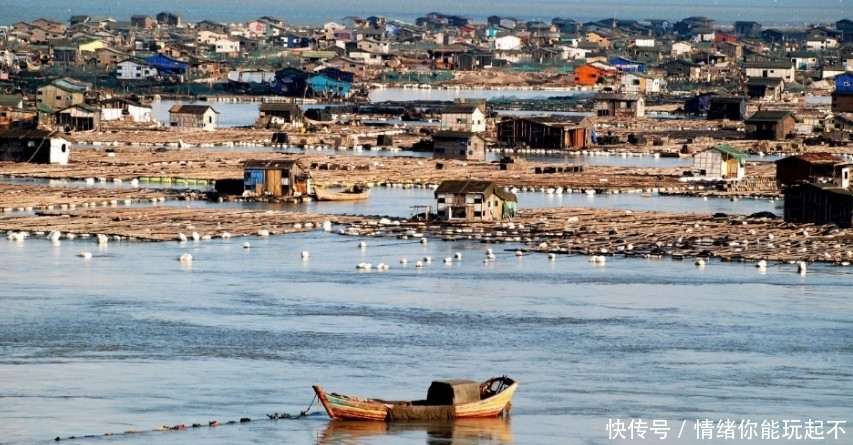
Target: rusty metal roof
{"type": "Point", "coordinates": [817, 158]}
{"type": "Point", "coordinates": [269, 165]}
{"type": "Point", "coordinates": [190, 109]}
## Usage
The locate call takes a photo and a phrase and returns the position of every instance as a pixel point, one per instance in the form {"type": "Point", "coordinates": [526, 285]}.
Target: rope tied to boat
{"type": "Point", "coordinates": [211, 424]}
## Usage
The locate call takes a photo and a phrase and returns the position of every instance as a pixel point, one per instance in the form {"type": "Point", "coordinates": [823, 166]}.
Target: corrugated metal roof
{"type": "Point", "coordinates": [269, 165]}
{"type": "Point", "coordinates": [769, 116]}
{"type": "Point", "coordinates": [279, 106]}
{"type": "Point", "coordinates": [190, 109]}
{"type": "Point", "coordinates": [817, 158]}
{"type": "Point", "coordinates": [11, 100]}
{"type": "Point", "coordinates": [24, 133]}
{"type": "Point", "coordinates": [731, 151]}
{"type": "Point", "coordinates": [459, 109]}
{"type": "Point", "coordinates": [474, 186]}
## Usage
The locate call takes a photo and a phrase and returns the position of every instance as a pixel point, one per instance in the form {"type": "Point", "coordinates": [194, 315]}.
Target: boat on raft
{"type": "Point", "coordinates": [355, 193]}
{"type": "Point", "coordinates": [446, 400]}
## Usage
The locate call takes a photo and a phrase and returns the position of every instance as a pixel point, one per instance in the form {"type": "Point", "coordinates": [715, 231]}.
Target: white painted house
{"type": "Point", "coordinates": [644, 43]}
{"type": "Point", "coordinates": [227, 46]}
{"type": "Point", "coordinates": [720, 162]}
{"type": "Point", "coordinates": [35, 146]}
{"type": "Point", "coordinates": [247, 76]}
{"type": "Point", "coordinates": [679, 49]}
{"type": "Point", "coordinates": [463, 118]}
{"type": "Point", "coordinates": [131, 69]}
{"type": "Point", "coordinates": [116, 108]}
{"type": "Point", "coordinates": [507, 42]}
{"type": "Point", "coordinates": [821, 43]}
{"type": "Point", "coordinates": [771, 70]}
{"type": "Point", "coordinates": [639, 83]}
{"type": "Point", "coordinates": [373, 46]}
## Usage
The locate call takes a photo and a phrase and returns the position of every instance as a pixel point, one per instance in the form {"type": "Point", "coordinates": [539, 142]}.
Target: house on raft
{"type": "Point", "coordinates": [471, 200]}
{"type": "Point", "coordinates": [34, 146]}
{"type": "Point", "coordinates": [279, 115]}
{"type": "Point", "coordinates": [773, 125]}
{"type": "Point", "coordinates": [554, 132]}
{"type": "Point", "coordinates": [807, 167]}
{"type": "Point", "coordinates": [822, 203]}
{"type": "Point", "coordinates": [720, 162]}
{"type": "Point", "coordinates": [284, 178]}
{"type": "Point", "coordinates": [79, 117]}
{"type": "Point", "coordinates": [464, 145]}
{"type": "Point", "coordinates": [193, 117]}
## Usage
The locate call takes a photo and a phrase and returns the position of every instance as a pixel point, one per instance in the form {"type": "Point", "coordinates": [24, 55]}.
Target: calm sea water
{"type": "Point", "coordinates": [132, 339]}
{"type": "Point", "coordinates": [396, 202]}
{"type": "Point", "coordinates": [775, 12]}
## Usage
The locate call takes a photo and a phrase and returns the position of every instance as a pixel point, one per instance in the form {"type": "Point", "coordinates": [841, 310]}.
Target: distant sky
{"type": "Point", "coordinates": [315, 12]}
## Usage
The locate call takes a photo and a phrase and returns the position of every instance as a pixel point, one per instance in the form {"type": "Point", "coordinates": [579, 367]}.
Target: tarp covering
{"type": "Point", "coordinates": [414, 412]}
{"type": "Point", "coordinates": [453, 392]}
{"type": "Point", "coordinates": [509, 209]}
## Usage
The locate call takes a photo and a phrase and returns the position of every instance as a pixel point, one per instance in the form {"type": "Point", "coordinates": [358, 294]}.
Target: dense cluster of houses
{"type": "Point", "coordinates": [628, 56]}
{"type": "Point", "coordinates": [623, 62]}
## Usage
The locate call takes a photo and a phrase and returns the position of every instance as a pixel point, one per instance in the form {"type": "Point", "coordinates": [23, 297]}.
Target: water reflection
{"type": "Point", "coordinates": [456, 432]}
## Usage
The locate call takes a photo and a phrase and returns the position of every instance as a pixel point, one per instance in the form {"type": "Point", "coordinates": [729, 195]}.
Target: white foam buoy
{"type": "Point", "coordinates": [458, 256]}
{"type": "Point", "coordinates": [801, 267]}
{"type": "Point", "coordinates": [761, 264]}
{"type": "Point", "coordinates": [423, 240]}
{"type": "Point", "coordinates": [427, 259]}
{"type": "Point", "coordinates": [552, 256]}
{"type": "Point", "coordinates": [362, 244]}
{"type": "Point", "coordinates": [403, 261]}
{"type": "Point", "coordinates": [181, 237]}
{"type": "Point", "coordinates": [103, 239]}
{"type": "Point", "coordinates": [185, 258]}
{"type": "Point", "coordinates": [246, 245]}
{"type": "Point", "coordinates": [700, 262]}
{"type": "Point", "coordinates": [448, 260]}
{"type": "Point", "coordinates": [305, 254]}
{"type": "Point", "coordinates": [419, 264]}
{"type": "Point", "coordinates": [86, 255]}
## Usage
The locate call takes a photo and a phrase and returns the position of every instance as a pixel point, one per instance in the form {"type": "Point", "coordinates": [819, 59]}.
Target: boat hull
{"type": "Point", "coordinates": [353, 408]}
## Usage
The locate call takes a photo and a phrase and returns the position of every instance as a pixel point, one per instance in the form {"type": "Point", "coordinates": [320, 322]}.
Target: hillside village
{"type": "Point", "coordinates": [738, 89]}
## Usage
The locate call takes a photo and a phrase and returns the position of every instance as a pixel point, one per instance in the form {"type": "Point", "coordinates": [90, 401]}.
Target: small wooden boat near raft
{"type": "Point", "coordinates": [354, 194]}
{"type": "Point", "coordinates": [450, 399]}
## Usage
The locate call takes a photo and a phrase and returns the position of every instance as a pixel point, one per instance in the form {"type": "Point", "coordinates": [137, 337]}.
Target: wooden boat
{"type": "Point", "coordinates": [354, 194]}
{"type": "Point", "coordinates": [451, 399]}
